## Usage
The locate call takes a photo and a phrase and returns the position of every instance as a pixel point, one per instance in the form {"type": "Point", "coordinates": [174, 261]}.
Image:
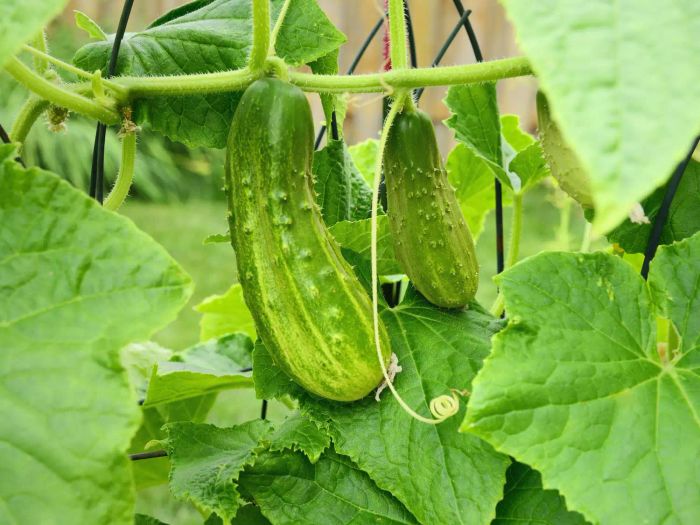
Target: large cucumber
{"type": "Point", "coordinates": [431, 238]}
{"type": "Point", "coordinates": [310, 310]}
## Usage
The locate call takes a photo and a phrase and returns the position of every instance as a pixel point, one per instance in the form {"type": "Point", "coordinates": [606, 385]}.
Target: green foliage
{"type": "Point", "coordinates": [629, 114]}
{"type": "Point", "coordinates": [22, 20]}
{"type": "Point", "coordinates": [526, 502]}
{"type": "Point", "coordinates": [683, 216]}
{"type": "Point", "coordinates": [578, 386]}
{"type": "Point", "coordinates": [342, 192]}
{"type": "Point", "coordinates": [438, 350]}
{"type": "Point", "coordinates": [216, 36]}
{"type": "Point", "coordinates": [302, 435]}
{"type": "Point", "coordinates": [225, 314]}
{"type": "Point", "coordinates": [206, 462]}
{"type": "Point", "coordinates": [292, 491]}
{"type": "Point", "coordinates": [84, 283]}
{"type": "Point", "coordinates": [364, 154]}
{"type": "Point", "coordinates": [355, 236]}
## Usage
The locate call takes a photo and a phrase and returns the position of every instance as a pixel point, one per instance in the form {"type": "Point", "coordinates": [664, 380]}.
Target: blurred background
{"type": "Point", "coordinates": [177, 195]}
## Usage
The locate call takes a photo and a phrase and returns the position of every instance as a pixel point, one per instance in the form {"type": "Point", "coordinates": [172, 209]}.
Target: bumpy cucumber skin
{"type": "Point", "coordinates": [310, 310]}
{"type": "Point", "coordinates": [431, 238]}
{"type": "Point", "coordinates": [563, 162]}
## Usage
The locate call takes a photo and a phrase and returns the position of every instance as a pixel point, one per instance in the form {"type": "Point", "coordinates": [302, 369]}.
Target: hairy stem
{"type": "Point", "coordinates": [81, 73]}
{"type": "Point", "coordinates": [27, 116]}
{"type": "Point", "coordinates": [59, 96]}
{"type": "Point", "coordinates": [397, 35]}
{"type": "Point", "coordinates": [261, 35]}
{"type": "Point", "coordinates": [586, 239]}
{"type": "Point", "coordinates": [41, 64]}
{"type": "Point", "coordinates": [121, 186]}
{"type": "Point", "coordinates": [225, 81]}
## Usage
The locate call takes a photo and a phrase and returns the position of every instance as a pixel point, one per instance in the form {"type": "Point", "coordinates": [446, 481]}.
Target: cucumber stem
{"type": "Point", "coordinates": [441, 407]}
{"type": "Point", "coordinates": [59, 96]}
{"type": "Point", "coordinates": [122, 185]}
{"type": "Point", "coordinates": [27, 116]}
{"type": "Point", "coordinates": [261, 35]}
{"type": "Point", "coordinates": [397, 35]}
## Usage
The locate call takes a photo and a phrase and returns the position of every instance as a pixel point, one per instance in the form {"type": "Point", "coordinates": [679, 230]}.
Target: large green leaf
{"type": "Point", "coordinates": [21, 20]}
{"type": "Point", "coordinates": [438, 474]}
{"type": "Point", "coordinates": [577, 387]}
{"type": "Point", "coordinates": [364, 155]}
{"type": "Point", "coordinates": [206, 462]}
{"type": "Point", "coordinates": [290, 490]}
{"type": "Point", "coordinates": [623, 83]}
{"type": "Point", "coordinates": [683, 216]}
{"type": "Point", "coordinates": [216, 36]}
{"type": "Point", "coordinates": [527, 503]}
{"type": "Point", "coordinates": [77, 283]}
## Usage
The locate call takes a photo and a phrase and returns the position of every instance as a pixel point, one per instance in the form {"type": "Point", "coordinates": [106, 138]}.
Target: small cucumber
{"type": "Point", "coordinates": [431, 238]}
{"type": "Point", "coordinates": [310, 310]}
{"type": "Point", "coordinates": [563, 162]}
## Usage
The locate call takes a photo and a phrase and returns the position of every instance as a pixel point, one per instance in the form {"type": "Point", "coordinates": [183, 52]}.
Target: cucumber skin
{"type": "Point", "coordinates": [431, 238]}
{"type": "Point", "coordinates": [563, 162]}
{"type": "Point", "coordinates": [310, 310]}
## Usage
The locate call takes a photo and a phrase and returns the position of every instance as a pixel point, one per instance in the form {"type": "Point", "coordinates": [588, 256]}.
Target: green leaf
{"type": "Point", "coordinates": [203, 369]}
{"type": "Point", "coordinates": [364, 155]}
{"type": "Point", "coordinates": [356, 236]}
{"type": "Point", "coordinates": [475, 119]}
{"type": "Point", "coordinates": [302, 435]}
{"type": "Point", "coordinates": [246, 515]}
{"type": "Point", "coordinates": [473, 181]}
{"type": "Point", "coordinates": [217, 238]}
{"type": "Point", "coordinates": [576, 387]}
{"type": "Point", "coordinates": [225, 314]}
{"type": "Point", "coordinates": [622, 81]}
{"type": "Point", "coordinates": [78, 283]}
{"type": "Point", "coordinates": [307, 34]}
{"type": "Point", "coordinates": [216, 36]}
{"type": "Point", "coordinates": [142, 519]}
{"type": "Point", "coordinates": [21, 20]}
{"type": "Point", "coordinates": [270, 380]}
{"type": "Point", "coordinates": [683, 217]}
{"type": "Point", "coordinates": [675, 281]}
{"type": "Point", "coordinates": [512, 155]}
{"type": "Point", "coordinates": [438, 350]}
{"type": "Point", "coordinates": [516, 137]}
{"type": "Point", "coordinates": [206, 462]}
{"type": "Point", "coordinates": [290, 490]}
{"type": "Point", "coordinates": [88, 25]}
{"type": "Point", "coordinates": [527, 503]}
{"type": "Point", "coordinates": [342, 192]}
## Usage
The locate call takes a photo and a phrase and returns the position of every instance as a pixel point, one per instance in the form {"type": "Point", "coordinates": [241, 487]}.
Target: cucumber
{"type": "Point", "coordinates": [432, 241]}
{"type": "Point", "coordinates": [563, 162]}
{"type": "Point", "coordinates": [310, 310]}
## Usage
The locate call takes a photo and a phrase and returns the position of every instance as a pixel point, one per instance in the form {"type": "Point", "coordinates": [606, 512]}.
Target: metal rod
{"type": "Point", "coordinates": [148, 455]}
{"type": "Point", "coordinates": [98, 153]}
{"type": "Point", "coordinates": [662, 216]}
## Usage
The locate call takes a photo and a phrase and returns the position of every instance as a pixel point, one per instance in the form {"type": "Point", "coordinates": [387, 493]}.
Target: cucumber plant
{"type": "Point", "coordinates": [573, 399]}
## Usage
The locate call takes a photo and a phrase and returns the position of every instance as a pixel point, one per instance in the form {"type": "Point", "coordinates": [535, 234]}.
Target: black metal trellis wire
{"type": "Point", "coordinates": [98, 150]}
{"type": "Point", "coordinates": [6, 139]}
{"type": "Point", "coordinates": [662, 216]}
